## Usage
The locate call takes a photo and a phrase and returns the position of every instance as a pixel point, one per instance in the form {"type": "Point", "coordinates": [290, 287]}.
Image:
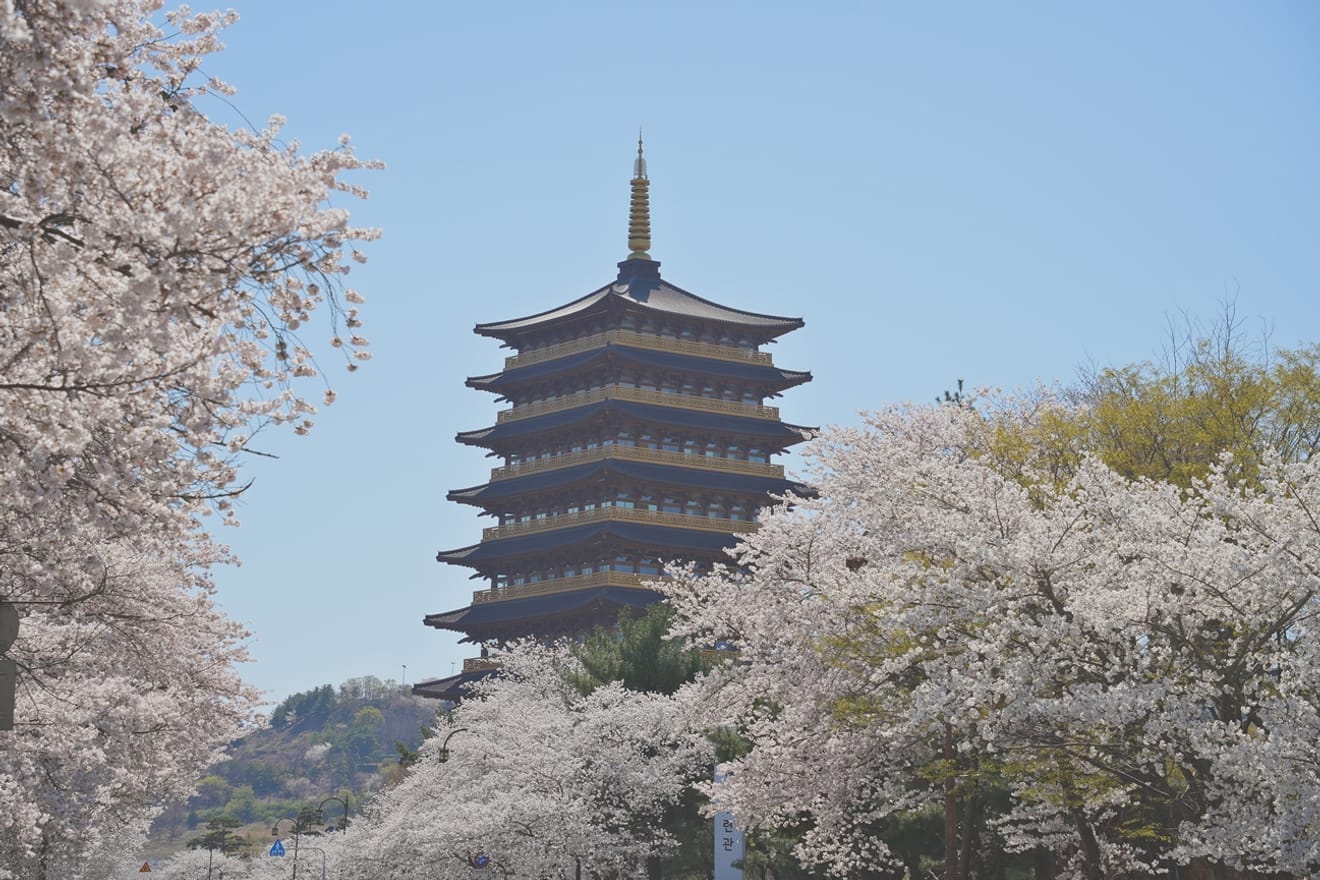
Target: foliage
{"type": "Point", "coordinates": [156, 271]}
{"type": "Point", "coordinates": [220, 836]}
{"type": "Point", "coordinates": [1214, 395]}
{"type": "Point", "coordinates": [278, 770]}
{"type": "Point", "coordinates": [1133, 661]}
{"type": "Point", "coordinates": [538, 776]}
{"type": "Point", "coordinates": [639, 653]}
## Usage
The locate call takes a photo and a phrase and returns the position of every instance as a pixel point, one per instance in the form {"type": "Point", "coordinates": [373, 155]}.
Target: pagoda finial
{"type": "Point", "coordinates": [639, 210]}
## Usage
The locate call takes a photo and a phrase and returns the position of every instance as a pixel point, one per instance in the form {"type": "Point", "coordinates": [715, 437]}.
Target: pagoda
{"type": "Point", "coordinates": [637, 435]}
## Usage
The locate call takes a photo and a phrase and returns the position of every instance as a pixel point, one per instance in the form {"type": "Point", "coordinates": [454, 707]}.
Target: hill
{"type": "Point", "coordinates": [343, 742]}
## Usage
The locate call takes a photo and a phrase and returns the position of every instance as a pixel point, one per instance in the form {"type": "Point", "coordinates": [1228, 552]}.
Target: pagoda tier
{"type": "Point", "coordinates": [611, 480]}
{"type": "Point", "coordinates": [629, 357]}
{"type": "Point", "coordinates": [640, 300]}
{"type": "Point", "coordinates": [584, 415]}
{"type": "Point", "coordinates": [637, 437]}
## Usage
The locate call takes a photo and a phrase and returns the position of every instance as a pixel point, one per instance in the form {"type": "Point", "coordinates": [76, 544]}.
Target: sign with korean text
{"type": "Point", "coordinates": [730, 842]}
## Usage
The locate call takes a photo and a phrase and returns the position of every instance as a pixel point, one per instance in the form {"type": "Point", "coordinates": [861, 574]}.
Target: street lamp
{"type": "Point", "coordinates": [444, 746]}
{"type": "Point", "coordinates": [297, 832]}
{"type": "Point", "coordinates": [317, 849]}
{"type": "Point", "coordinates": [320, 810]}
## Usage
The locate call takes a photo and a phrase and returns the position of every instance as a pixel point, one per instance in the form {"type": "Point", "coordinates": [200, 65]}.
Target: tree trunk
{"type": "Point", "coordinates": [1042, 864]}
{"type": "Point", "coordinates": [1090, 847]}
{"type": "Point", "coordinates": [971, 816]}
{"type": "Point", "coordinates": [950, 810]}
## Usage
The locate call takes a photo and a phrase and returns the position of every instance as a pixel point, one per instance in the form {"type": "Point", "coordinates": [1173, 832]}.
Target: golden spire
{"type": "Point", "coordinates": [639, 211]}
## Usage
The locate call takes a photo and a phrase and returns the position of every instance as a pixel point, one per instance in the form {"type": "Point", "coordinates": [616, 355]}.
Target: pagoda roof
{"type": "Point", "coordinates": [484, 619]}
{"type": "Point", "coordinates": [665, 538]}
{"type": "Point", "coordinates": [646, 412]}
{"type": "Point", "coordinates": [769, 375]}
{"type": "Point", "coordinates": [644, 471]}
{"type": "Point", "coordinates": [452, 687]}
{"type": "Point", "coordinates": [643, 293]}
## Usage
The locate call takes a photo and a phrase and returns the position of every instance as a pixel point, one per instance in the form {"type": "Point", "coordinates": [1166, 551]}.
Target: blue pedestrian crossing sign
{"type": "Point", "coordinates": [277, 849]}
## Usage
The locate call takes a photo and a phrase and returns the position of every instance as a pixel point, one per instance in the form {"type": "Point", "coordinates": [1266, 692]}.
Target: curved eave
{"type": "Point", "coordinates": [680, 541]}
{"type": "Point", "coordinates": [488, 619]}
{"type": "Point", "coordinates": [453, 687]}
{"type": "Point", "coordinates": [598, 471]}
{"type": "Point", "coordinates": [660, 298]}
{"type": "Point", "coordinates": [645, 412]}
{"type": "Point", "coordinates": [772, 378]}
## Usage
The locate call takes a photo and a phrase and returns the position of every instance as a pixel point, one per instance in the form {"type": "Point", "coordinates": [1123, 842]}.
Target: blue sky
{"type": "Point", "coordinates": [993, 192]}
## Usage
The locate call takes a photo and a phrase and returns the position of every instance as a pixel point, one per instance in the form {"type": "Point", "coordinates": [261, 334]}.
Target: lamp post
{"type": "Point", "coordinates": [444, 746]}
{"type": "Point", "coordinates": [320, 810]}
{"type": "Point", "coordinates": [297, 832]}
{"type": "Point", "coordinates": [322, 852]}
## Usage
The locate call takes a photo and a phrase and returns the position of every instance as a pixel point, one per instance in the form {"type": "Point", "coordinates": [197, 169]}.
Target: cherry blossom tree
{"type": "Point", "coordinates": [539, 778]}
{"type": "Point", "coordinates": [157, 274]}
{"type": "Point", "coordinates": [1135, 661]}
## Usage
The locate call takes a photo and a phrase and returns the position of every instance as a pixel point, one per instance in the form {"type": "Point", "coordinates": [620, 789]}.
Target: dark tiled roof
{"type": "Point", "coordinates": [663, 538]}
{"type": "Point", "coordinates": [453, 687]}
{"type": "Point", "coordinates": [748, 372]}
{"type": "Point", "coordinates": [651, 473]}
{"type": "Point", "coordinates": [662, 298]}
{"type": "Point", "coordinates": [537, 607]}
{"type": "Point", "coordinates": [660, 415]}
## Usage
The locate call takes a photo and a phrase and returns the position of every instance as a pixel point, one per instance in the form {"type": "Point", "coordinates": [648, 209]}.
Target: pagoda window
{"type": "Point", "coordinates": [647, 502]}
{"type": "Point", "coordinates": [755, 453]}
{"type": "Point", "coordinates": [671, 504]}
{"type": "Point", "coordinates": [648, 565]}
{"type": "Point", "coordinates": [737, 512]}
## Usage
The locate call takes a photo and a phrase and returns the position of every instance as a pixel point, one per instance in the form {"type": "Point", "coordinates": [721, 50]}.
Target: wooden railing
{"type": "Point", "coordinates": [639, 340]}
{"type": "Point", "coordinates": [620, 514]}
{"type": "Point", "coordinates": [480, 664]}
{"type": "Point", "coordinates": [565, 585]}
{"type": "Point", "coordinates": [637, 395]}
{"type": "Point", "coordinates": [637, 453]}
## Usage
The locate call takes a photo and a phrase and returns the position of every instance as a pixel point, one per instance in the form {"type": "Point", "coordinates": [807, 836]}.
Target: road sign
{"type": "Point", "coordinates": [480, 860]}
{"type": "Point", "coordinates": [145, 869]}
{"type": "Point", "coordinates": [277, 849]}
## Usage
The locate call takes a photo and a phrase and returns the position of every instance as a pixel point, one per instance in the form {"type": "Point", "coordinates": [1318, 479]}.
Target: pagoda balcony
{"type": "Point", "coordinates": [617, 514]}
{"type": "Point", "coordinates": [638, 395]}
{"type": "Point", "coordinates": [566, 585]}
{"type": "Point", "coordinates": [639, 340]}
{"type": "Point", "coordinates": [638, 453]}
{"type": "Point", "coordinates": [481, 664]}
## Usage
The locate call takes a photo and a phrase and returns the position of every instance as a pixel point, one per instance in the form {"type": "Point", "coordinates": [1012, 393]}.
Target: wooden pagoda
{"type": "Point", "coordinates": [638, 434]}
